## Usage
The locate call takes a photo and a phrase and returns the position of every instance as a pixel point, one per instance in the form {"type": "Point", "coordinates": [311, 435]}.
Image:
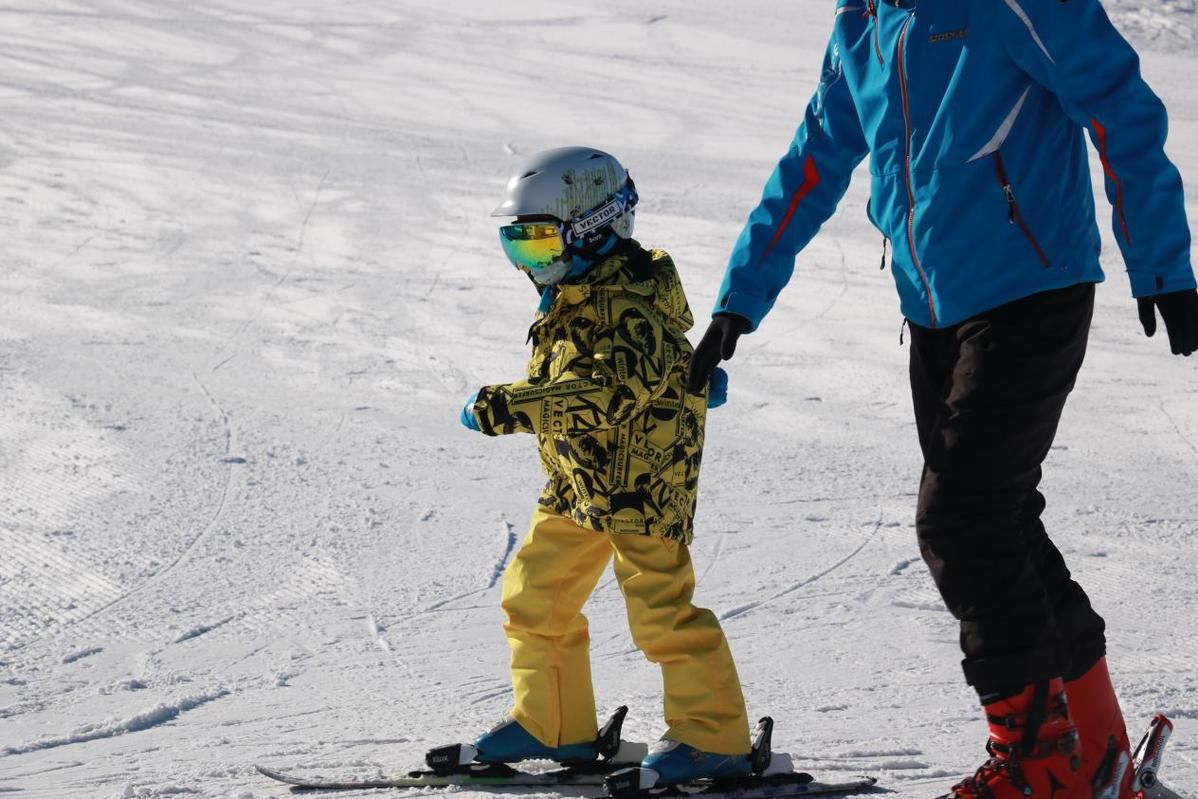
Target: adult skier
{"type": "Point", "coordinates": [974, 114]}
{"type": "Point", "coordinates": [620, 440]}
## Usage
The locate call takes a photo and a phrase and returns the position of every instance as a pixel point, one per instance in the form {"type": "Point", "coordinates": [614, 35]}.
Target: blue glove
{"type": "Point", "coordinates": [467, 416]}
{"type": "Point", "coordinates": [717, 389]}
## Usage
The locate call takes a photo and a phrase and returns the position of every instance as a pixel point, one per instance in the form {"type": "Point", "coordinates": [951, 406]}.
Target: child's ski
{"type": "Point", "coordinates": [778, 786]}
{"type": "Point", "coordinates": [497, 776]}
{"type": "Point", "coordinates": [453, 766]}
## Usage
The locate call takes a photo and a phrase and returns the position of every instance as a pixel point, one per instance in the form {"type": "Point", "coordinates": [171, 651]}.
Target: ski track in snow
{"type": "Point", "coordinates": [752, 606]}
{"type": "Point", "coordinates": [231, 345]}
{"type": "Point", "coordinates": [249, 277]}
{"type": "Point", "coordinates": [81, 654]}
{"type": "Point", "coordinates": [203, 629]}
{"type": "Point", "coordinates": [153, 717]}
{"type": "Point", "coordinates": [119, 596]}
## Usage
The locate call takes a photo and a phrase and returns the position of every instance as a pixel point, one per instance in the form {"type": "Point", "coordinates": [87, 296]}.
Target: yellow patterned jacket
{"type": "Point", "coordinates": [620, 438]}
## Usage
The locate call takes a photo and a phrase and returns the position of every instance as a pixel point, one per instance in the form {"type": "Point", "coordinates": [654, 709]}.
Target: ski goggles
{"type": "Point", "coordinates": [537, 245]}
{"type": "Point", "coordinates": [532, 245]}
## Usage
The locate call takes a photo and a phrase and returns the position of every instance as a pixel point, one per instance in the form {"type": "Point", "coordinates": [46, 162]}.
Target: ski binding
{"type": "Point", "coordinates": [772, 777]}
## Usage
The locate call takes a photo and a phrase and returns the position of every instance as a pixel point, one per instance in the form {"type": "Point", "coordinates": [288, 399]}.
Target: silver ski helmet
{"type": "Point", "coordinates": [567, 204]}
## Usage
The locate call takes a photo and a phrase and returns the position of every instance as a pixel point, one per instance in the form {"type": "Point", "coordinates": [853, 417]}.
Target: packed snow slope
{"type": "Point", "coordinates": [248, 278]}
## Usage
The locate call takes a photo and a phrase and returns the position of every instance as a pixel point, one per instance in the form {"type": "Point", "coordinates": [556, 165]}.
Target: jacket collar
{"type": "Point", "coordinates": [616, 272]}
{"type": "Point", "coordinates": [629, 269]}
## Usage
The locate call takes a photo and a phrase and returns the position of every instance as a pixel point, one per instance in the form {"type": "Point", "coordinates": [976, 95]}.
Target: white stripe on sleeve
{"type": "Point", "coordinates": [1019, 12]}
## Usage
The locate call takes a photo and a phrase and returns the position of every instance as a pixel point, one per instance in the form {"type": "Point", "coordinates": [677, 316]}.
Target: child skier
{"type": "Point", "coordinates": [620, 440]}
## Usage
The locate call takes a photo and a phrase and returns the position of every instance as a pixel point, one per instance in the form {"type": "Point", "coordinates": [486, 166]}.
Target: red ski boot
{"type": "Point", "coordinates": [1033, 746]}
{"type": "Point", "coordinates": [1106, 752]}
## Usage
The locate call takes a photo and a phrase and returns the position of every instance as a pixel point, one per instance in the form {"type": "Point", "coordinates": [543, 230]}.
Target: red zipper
{"type": "Point", "coordinates": [873, 12]}
{"type": "Point", "coordinates": [1013, 215]}
{"type": "Point", "coordinates": [910, 186]}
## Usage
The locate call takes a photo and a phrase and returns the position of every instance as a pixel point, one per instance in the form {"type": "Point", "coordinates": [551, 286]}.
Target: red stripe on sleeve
{"type": "Point", "coordinates": [1100, 134]}
{"type": "Point", "coordinates": [810, 181]}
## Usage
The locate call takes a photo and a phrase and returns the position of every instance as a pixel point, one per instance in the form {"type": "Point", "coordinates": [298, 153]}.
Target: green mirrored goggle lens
{"type": "Point", "coordinates": [532, 245]}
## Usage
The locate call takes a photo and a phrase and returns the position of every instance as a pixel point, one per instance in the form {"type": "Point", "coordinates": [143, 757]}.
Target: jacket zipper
{"type": "Point", "coordinates": [1013, 215]}
{"type": "Point", "coordinates": [872, 12]}
{"type": "Point", "coordinates": [902, 71]}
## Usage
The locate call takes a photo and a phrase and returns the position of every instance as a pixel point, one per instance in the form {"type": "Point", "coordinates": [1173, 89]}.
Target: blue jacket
{"type": "Point", "coordinates": [973, 114]}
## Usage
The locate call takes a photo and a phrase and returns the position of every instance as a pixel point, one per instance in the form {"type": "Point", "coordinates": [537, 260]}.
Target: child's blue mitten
{"type": "Point", "coordinates": [467, 417]}
{"type": "Point", "coordinates": [717, 389]}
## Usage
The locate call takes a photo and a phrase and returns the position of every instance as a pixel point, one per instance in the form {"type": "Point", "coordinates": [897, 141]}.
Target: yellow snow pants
{"type": "Point", "coordinates": [544, 588]}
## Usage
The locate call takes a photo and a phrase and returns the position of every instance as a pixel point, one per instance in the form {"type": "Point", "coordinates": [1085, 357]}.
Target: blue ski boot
{"type": "Point", "coordinates": [508, 742]}
{"type": "Point", "coordinates": [674, 762]}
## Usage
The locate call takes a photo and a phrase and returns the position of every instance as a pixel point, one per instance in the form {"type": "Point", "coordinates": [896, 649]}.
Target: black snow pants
{"type": "Point", "coordinates": [988, 396]}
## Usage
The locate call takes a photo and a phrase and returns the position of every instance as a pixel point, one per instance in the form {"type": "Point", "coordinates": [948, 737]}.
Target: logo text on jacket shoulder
{"type": "Point", "coordinates": [948, 36]}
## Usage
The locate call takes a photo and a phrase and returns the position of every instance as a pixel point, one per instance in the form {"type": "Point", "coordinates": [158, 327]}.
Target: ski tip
{"type": "Point", "coordinates": [859, 784]}
{"type": "Point", "coordinates": [277, 776]}
{"type": "Point", "coordinates": [856, 784]}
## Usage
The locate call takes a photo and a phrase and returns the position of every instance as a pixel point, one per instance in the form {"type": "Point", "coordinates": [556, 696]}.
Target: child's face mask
{"type": "Point", "coordinates": [552, 274]}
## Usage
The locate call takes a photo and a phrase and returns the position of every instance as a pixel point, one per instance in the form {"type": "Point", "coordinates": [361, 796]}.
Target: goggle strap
{"type": "Point", "coordinates": [620, 202]}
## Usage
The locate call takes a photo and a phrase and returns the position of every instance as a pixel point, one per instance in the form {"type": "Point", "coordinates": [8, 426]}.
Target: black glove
{"type": "Point", "coordinates": [1179, 310]}
{"type": "Point", "coordinates": [718, 344]}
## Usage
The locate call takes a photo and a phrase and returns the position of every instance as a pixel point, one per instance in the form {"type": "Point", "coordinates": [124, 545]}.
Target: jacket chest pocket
{"type": "Point", "coordinates": [564, 358]}
{"type": "Point", "coordinates": [934, 52]}
{"type": "Point", "coordinates": [574, 348]}
{"type": "Point", "coordinates": [562, 349]}
{"type": "Point", "coordinates": [938, 40]}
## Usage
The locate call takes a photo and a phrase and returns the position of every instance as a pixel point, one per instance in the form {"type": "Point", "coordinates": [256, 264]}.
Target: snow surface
{"type": "Point", "coordinates": [248, 278]}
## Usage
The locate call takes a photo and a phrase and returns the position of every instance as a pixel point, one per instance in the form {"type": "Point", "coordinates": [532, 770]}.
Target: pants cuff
{"type": "Point", "coordinates": [1083, 655]}
{"type": "Point", "coordinates": [1005, 676]}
